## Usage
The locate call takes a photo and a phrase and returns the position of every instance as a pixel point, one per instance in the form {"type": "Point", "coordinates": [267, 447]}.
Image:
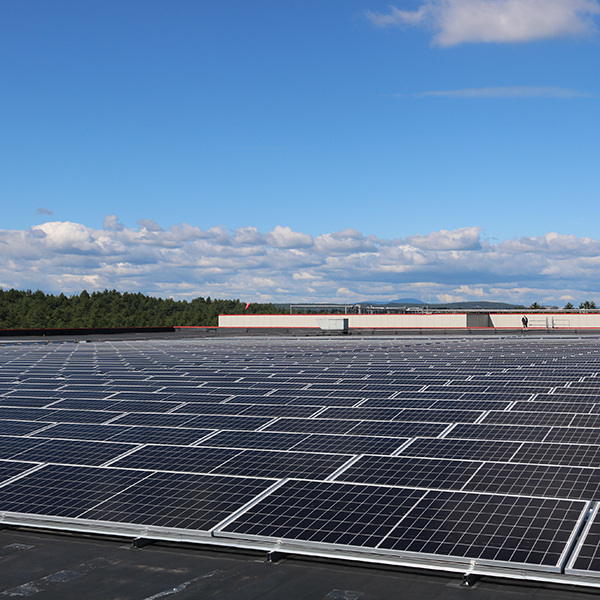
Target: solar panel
{"type": "Point", "coordinates": [177, 458]}
{"type": "Point", "coordinates": [8, 427]}
{"type": "Point", "coordinates": [8, 470]}
{"type": "Point", "coordinates": [410, 472]}
{"type": "Point", "coordinates": [512, 417]}
{"type": "Point", "coordinates": [27, 398]}
{"type": "Point", "coordinates": [80, 431]}
{"type": "Point", "coordinates": [450, 453]}
{"type": "Point", "coordinates": [179, 500]}
{"type": "Point", "coordinates": [400, 429]}
{"type": "Point", "coordinates": [349, 444]}
{"type": "Point", "coordinates": [585, 560]}
{"type": "Point", "coordinates": [254, 440]}
{"type": "Point", "coordinates": [532, 531]}
{"type": "Point", "coordinates": [64, 491]}
{"type": "Point", "coordinates": [154, 419]}
{"type": "Point", "coordinates": [328, 513]}
{"type": "Point", "coordinates": [275, 464]}
{"type": "Point", "coordinates": [499, 432]}
{"type": "Point", "coordinates": [462, 449]}
{"type": "Point", "coordinates": [577, 435]}
{"type": "Point", "coordinates": [72, 452]}
{"type": "Point", "coordinates": [290, 425]}
{"type": "Point", "coordinates": [537, 480]}
{"type": "Point", "coordinates": [558, 454]}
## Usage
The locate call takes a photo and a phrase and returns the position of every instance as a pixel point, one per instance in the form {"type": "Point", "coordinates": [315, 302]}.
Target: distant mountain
{"type": "Point", "coordinates": [472, 305]}
{"type": "Point", "coordinates": [401, 301]}
{"type": "Point", "coordinates": [475, 305]}
{"type": "Point", "coordinates": [414, 302]}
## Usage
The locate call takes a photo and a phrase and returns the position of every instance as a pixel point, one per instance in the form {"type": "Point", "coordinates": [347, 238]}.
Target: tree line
{"type": "Point", "coordinates": [587, 305]}
{"type": "Point", "coordinates": [110, 308]}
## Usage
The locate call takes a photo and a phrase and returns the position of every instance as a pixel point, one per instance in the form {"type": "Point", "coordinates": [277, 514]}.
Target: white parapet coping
{"type": "Point", "coordinates": [409, 321]}
{"type": "Point", "coordinates": [500, 320]}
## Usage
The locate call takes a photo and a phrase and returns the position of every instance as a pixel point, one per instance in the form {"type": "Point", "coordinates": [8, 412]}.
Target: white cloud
{"type": "Point", "coordinates": [284, 237]}
{"type": "Point", "coordinates": [471, 292]}
{"type": "Point", "coordinates": [466, 238]}
{"type": "Point", "coordinates": [185, 261]}
{"type": "Point", "coordinates": [65, 236]}
{"type": "Point", "coordinates": [248, 236]}
{"type": "Point", "coordinates": [506, 92]}
{"type": "Point", "coordinates": [448, 298]}
{"type": "Point", "coordinates": [458, 21]}
{"type": "Point", "coordinates": [111, 222]}
{"type": "Point", "coordinates": [344, 292]}
{"type": "Point", "coordinates": [149, 225]}
{"type": "Point", "coordinates": [304, 275]}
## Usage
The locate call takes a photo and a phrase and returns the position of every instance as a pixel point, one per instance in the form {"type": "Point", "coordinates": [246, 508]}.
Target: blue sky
{"type": "Point", "coordinates": [336, 150]}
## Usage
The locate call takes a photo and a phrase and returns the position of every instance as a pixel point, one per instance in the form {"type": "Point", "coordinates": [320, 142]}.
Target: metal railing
{"type": "Point", "coordinates": [549, 323]}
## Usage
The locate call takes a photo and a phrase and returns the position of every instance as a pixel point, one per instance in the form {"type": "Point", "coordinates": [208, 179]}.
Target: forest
{"type": "Point", "coordinates": [110, 308]}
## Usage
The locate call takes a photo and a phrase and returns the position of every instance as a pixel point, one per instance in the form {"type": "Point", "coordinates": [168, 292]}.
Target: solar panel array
{"type": "Point", "coordinates": [480, 454]}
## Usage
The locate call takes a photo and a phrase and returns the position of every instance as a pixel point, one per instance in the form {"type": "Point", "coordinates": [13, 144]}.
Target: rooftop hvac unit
{"type": "Point", "coordinates": [333, 324]}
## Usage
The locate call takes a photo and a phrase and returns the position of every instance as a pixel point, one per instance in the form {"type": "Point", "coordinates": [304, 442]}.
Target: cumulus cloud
{"type": "Point", "coordinates": [284, 237]}
{"type": "Point", "coordinates": [148, 224]}
{"type": "Point", "coordinates": [186, 261]}
{"type": "Point", "coordinates": [111, 222]}
{"type": "Point", "coordinates": [458, 21]}
{"type": "Point", "coordinates": [466, 238]}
